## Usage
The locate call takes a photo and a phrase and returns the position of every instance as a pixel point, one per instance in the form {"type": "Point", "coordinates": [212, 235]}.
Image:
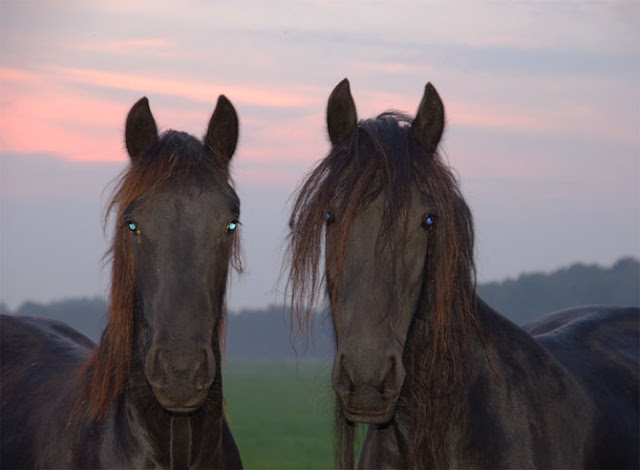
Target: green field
{"type": "Point", "coordinates": [281, 413]}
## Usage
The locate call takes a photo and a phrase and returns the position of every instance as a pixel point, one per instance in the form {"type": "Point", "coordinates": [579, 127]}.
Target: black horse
{"type": "Point", "coordinates": [443, 379]}
{"type": "Point", "coordinates": [149, 395]}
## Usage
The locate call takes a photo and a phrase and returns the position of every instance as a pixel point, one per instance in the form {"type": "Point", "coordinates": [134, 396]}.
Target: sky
{"type": "Point", "coordinates": [542, 106]}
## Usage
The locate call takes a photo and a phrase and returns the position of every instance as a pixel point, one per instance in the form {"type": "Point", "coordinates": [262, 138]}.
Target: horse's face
{"type": "Point", "coordinates": [182, 241]}
{"type": "Point", "coordinates": [374, 289]}
{"type": "Point", "coordinates": [375, 278]}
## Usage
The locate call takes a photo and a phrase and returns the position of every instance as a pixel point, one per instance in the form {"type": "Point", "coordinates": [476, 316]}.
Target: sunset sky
{"type": "Point", "coordinates": [542, 103]}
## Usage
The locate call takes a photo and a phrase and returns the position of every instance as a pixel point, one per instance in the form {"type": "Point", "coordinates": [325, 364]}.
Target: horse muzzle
{"type": "Point", "coordinates": [368, 389]}
{"type": "Point", "coordinates": [180, 382]}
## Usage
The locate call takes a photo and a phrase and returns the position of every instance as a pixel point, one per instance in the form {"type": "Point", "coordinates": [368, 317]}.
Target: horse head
{"type": "Point", "coordinates": [180, 233]}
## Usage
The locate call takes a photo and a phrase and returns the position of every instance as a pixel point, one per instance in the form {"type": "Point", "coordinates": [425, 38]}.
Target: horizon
{"type": "Point", "coordinates": [283, 306]}
{"type": "Point", "coordinates": [542, 129]}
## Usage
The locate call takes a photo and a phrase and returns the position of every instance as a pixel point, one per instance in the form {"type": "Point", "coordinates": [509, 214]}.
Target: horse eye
{"type": "Point", "coordinates": [328, 217]}
{"type": "Point", "coordinates": [429, 221]}
{"type": "Point", "coordinates": [231, 226]}
{"type": "Point", "coordinates": [132, 227]}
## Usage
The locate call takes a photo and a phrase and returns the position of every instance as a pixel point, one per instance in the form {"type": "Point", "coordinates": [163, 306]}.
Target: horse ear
{"type": "Point", "coordinates": [222, 134]}
{"type": "Point", "coordinates": [141, 132]}
{"type": "Point", "coordinates": [428, 125]}
{"type": "Point", "coordinates": [342, 118]}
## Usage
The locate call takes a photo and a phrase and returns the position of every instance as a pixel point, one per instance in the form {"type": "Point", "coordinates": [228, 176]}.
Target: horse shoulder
{"type": "Point", "coordinates": [34, 335]}
{"type": "Point", "coordinates": [40, 351]}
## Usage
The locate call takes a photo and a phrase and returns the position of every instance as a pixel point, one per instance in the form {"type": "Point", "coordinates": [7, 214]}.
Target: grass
{"type": "Point", "coordinates": [281, 413]}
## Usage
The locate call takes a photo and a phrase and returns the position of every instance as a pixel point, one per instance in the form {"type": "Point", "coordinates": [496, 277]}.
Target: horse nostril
{"type": "Point", "coordinates": [155, 370]}
{"type": "Point", "coordinates": [206, 371]}
{"type": "Point", "coordinates": [393, 376]}
{"type": "Point", "coordinates": [340, 379]}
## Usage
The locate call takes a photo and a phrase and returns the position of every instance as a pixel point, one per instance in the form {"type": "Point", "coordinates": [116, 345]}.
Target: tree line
{"type": "Point", "coordinates": [266, 333]}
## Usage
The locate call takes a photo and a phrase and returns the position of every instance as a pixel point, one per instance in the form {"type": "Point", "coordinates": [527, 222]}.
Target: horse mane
{"type": "Point", "coordinates": [175, 155]}
{"type": "Point", "coordinates": [383, 156]}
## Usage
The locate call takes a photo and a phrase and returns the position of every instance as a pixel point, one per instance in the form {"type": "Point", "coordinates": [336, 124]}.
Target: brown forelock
{"type": "Point", "coordinates": [175, 154]}
{"type": "Point", "coordinates": [439, 335]}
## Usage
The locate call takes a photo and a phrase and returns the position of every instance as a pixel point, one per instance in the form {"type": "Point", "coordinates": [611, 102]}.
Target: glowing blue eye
{"type": "Point", "coordinates": [429, 221]}
{"type": "Point", "coordinates": [232, 226]}
{"type": "Point", "coordinates": [328, 217]}
{"type": "Point", "coordinates": [132, 226]}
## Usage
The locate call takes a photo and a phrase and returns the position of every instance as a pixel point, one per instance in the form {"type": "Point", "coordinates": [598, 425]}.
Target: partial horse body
{"type": "Point", "coordinates": [441, 378]}
{"type": "Point", "coordinates": [149, 395]}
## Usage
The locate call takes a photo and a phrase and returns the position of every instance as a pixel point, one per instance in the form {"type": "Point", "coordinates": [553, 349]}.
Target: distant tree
{"type": "Point", "coordinates": [85, 315]}
{"type": "Point", "coordinates": [531, 295]}
{"type": "Point", "coordinates": [266, 333]}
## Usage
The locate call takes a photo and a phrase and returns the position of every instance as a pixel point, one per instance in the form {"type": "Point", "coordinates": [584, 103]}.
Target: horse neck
{"type": "Point", "coordinates": [490, 342]}
{"type": "Point", "coordinates": [436, 419]}
{"type": "Point", "coordinates": [177, 441]}
{"type": "Point", "coordinates": [173, 440]}
{"type": "Point", "coordinates": [500, 343]}
{"type": "Point", "coordinates": [507, 374]}
{"type": "Point", "coordinates": [431, 411]}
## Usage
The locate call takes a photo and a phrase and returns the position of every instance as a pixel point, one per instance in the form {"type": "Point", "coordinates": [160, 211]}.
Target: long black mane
{"type": "Point", "coordinates": [382, 156]}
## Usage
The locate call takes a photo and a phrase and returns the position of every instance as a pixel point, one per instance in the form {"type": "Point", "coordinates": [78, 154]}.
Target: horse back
{"type": "Point", "coordinates": [38, 347]}
{"type": "Point", "coordinates": [610, 336]}
{"type": "Point", "coordinates": [600, 348]}
{"type": "Point", "coordinates": [40, 361]}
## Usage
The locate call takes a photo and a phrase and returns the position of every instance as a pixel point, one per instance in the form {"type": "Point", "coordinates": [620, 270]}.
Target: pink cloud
{"type": "Point", "coordinates": [370, 103]}
{"type": "Point", "coordinates": [460, 113]}
{"type": "Point", "coordinates": [40, 115]}
{"type": "Point", "coordinates": [48, 112]}
{"type": "Point", "coordinates": [37, 134]}
{"type": "Point", "coordinates": [9, 76]}
{"type": "Point", "coordinates": [466, 114]}
{"type": "Point", "coordinates": [125, 46]}
{"type": "Point", "coordinates": [195, 90]}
